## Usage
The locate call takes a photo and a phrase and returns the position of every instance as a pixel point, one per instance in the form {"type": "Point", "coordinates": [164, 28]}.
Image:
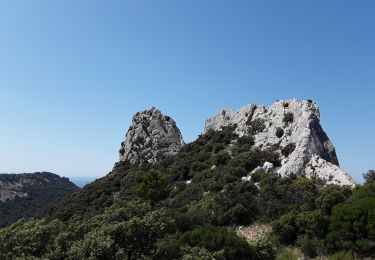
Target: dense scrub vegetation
{"type": "Point", "coordinates": [190, 206]}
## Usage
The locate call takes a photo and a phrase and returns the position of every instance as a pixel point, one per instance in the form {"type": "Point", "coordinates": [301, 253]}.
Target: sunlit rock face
{"type": "Point", "coordinates": [151, 137]}
{"type": "Point", "coordinates": [293, 128]}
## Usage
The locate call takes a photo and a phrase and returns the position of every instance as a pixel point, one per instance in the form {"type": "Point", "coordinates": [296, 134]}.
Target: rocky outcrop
{"type": "Point", "coordinates": [293, 128]}
{"type": "Point", "coordinates": [151, 137]}
{"type": "Point", "coordinates": [328, 172]}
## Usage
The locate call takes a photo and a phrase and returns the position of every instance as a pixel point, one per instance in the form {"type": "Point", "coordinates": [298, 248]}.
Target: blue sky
{"type": "Point", "coordinates": [72, 73]}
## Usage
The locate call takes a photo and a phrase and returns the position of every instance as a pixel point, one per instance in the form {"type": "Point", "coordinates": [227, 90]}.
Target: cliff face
{"type": "Point", "coordinates": [293, 128]}
{"type": "Point", "coordinates": [150, 138]}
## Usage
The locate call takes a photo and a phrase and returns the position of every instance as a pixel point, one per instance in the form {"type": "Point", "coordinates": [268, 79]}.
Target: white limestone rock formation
{"type": "Point", "coordinates": [150, 138]}
{"type": "Point", "coordinates": [328, 172]}
{"type": "Point", "coordinates": [293, 128]}
{"type": "Point", "coordinates": [266, 168]}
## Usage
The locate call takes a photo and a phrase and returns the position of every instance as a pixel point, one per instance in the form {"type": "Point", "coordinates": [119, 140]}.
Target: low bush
{"type": "Point", "coordinates": [153, 186]}
{"type": "Point", "coordinates": [263, 249]}
{"type": "Point", "coordinates": [279, 132]}
{"type": "Point", "coordinates": [289, 253]}
{"type": "Point", "coordinates": [288, 118]}
{"type": "Point", "coordinates": [288, 149]}
{"type": "Point", "coordinates": [256, 126]}
{"type": "Point", "coordinates": [215, 239]}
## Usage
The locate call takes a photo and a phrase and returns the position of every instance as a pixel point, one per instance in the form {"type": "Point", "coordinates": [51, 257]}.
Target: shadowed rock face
{"type": "Point", "coordinates": [288, 123]}
{"type": "Point", "coordinates": [151, 138]}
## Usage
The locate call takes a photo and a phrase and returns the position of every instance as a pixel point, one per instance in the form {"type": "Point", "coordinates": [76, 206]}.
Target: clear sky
{"type": "Point", "coordinates": [73, 72]}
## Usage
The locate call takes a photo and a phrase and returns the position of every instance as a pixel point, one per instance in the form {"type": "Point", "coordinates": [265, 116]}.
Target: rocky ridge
{"type": "Point", "coordinates": [151, 137]}
{"type": "Point", "coordinates": [28, 195]}
{"type": "Point", "coordinates": [14, 186]}
{"type": "Point", "coordinates": [293, 128]}
{"type": "Point", "coordinates": [290, 127]}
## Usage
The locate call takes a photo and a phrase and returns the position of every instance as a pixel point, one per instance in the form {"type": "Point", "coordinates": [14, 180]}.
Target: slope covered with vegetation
{"type": "Point", "coordinates": [190, 206]}
{"type": "Point", "coordinates": [40, 190]}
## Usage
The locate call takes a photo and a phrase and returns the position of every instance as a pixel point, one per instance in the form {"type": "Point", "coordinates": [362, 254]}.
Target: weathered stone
{"type": "Point", "coordinates": [266, 168]}
{"type": "Point", "coordinates": [327, 172]}
{"type": "Point", "coordinates": [302, 136]}
{"type": "Point", "coordinates": [151, 137]}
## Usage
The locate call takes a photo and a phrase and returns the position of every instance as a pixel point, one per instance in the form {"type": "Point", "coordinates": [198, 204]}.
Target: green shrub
{"type": "Point", "coordinates": [369, 176]}
{"type": "Point", "coordinates": [288, 118]}
{"type": "Point", "coordinates": [263, 249]}
{"type": "Point", "coordinates": [279, 132]}
{"type": "Point", "coordinates": [221, 158]}
{"type": "Point", "coordinates": [30, 238]}
{"type": "Point", "coordinates": [311, 247]}
{"type": "Point", "coordinates": [153, 186]}
{"type": "Point", "coordinates": [235, 204]}
{"type": "Point", "coordinates": [289, 253]}
{"type": "Point", "coordinates": [215, 239]}
{"type": "Point", "coordinates": [288, 149]}
{"type": "Point", "coordinates": [256, 126]}
{"type": "Point", "coordinates": [330, 195]}
{"type": "Point", "coordinates": [312, 223]}
{"type": "Point", "coordinates": [195, 253]}
{"type": "Point", "coordinates": [343, 255]}
{"type": "Point", "coordinates": [285, 228]}
{"type": "Point", "coordinates": [245, 140]}
{"type": "Point", "coordinates": [167, 248]}
{"type": "Point", "coordinates": [352, 226]}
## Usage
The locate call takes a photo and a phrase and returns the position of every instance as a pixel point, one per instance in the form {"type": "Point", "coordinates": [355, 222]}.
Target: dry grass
{"type": "Point", "coordinates": [255, 231]}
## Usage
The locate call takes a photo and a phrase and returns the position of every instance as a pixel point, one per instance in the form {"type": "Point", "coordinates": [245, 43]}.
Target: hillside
{"type": "Point", "coordinates": [224, 196]}
{"type": "Point", "coordinates": [27, 195]}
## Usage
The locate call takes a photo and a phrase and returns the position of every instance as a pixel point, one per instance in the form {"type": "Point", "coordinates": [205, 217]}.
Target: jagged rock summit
{"type": "Point", "coordinates": [293, 128]}
{"type": "Point", "coordinates": [290, 127]}
{"type": "Point", "coordinates": [151, 137]}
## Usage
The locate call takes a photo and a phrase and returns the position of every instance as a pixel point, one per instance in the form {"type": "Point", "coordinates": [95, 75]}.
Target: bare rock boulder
{"type": "Point", "coordinates": [151, 137]}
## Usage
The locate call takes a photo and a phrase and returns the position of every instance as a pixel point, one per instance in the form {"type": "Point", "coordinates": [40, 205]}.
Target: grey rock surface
{"type": "Point", "coordinates": [266, 168]}
{"type": "Point", "coordinates": [151, 137]}
{"type": "Point", "coordinates": [293, 124]}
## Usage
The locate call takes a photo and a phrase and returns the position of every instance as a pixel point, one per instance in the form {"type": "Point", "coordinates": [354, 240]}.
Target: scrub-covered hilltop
{"type": "Point", "coordinates": [27, 195]}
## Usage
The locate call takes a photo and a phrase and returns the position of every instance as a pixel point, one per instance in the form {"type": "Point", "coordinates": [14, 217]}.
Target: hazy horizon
{"type": "Point", "coordinates": [74, 73]}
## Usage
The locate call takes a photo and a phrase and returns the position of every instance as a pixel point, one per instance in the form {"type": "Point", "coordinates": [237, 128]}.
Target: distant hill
{"type": "Point", "coordinates": [27, 195]}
